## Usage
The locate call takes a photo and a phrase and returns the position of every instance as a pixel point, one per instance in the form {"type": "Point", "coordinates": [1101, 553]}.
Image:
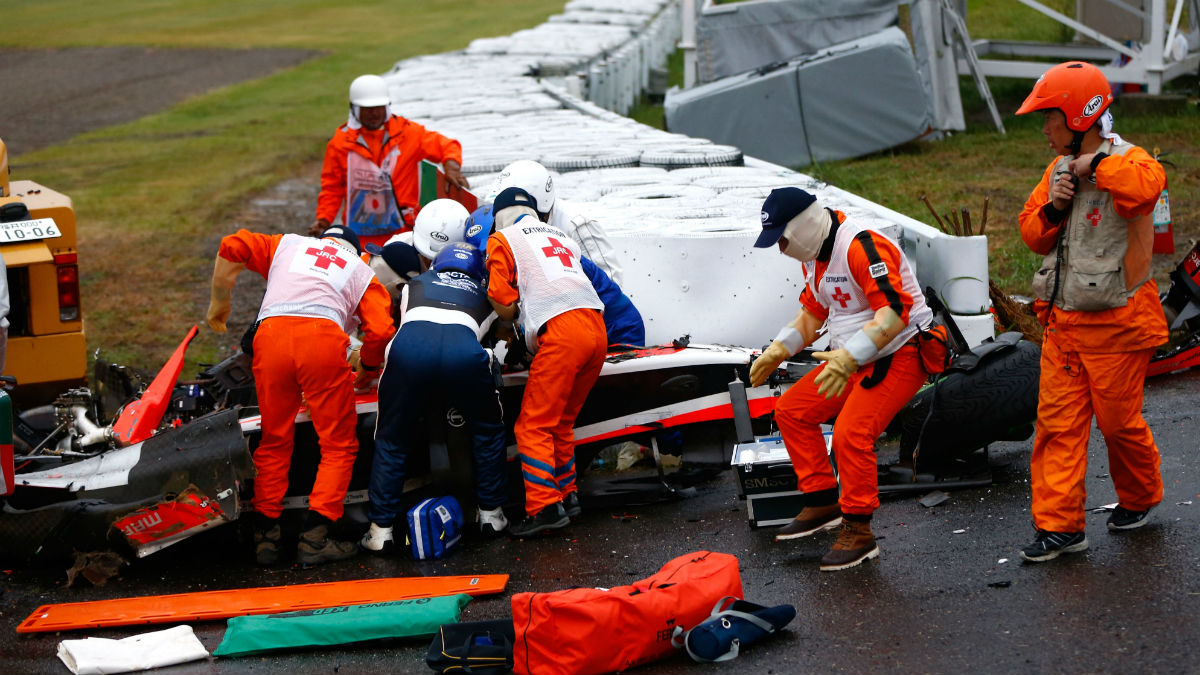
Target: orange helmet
{"type": "Point", "coordinates": [1078, 89]}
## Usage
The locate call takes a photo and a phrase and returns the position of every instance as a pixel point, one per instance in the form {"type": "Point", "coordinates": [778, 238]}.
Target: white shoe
{"type": "Point", "coordinates": [491, 521]}
{"type": "Point", "coordinates": [377, 538]}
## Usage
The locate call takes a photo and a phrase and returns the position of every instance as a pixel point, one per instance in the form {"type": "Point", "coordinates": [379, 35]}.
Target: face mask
{"type": "Point", "coordinates": [807, 232]}
{"type": "Point", "coordinates": [387, 276]}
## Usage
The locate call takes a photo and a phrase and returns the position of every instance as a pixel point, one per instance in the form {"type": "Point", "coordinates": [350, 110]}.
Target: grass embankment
{"type": "Point", "coordinates": [153, 196]}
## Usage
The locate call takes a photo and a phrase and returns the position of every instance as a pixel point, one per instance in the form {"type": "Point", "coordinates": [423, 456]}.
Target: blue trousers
{"type": "Point", "coordinates": [425, 360]}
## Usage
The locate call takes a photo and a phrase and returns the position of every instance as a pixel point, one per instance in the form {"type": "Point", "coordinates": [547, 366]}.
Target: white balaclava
{"type": "Point", "coordinates": [807, 231]}
{"type": "Point", "coordinates": [387, 276]}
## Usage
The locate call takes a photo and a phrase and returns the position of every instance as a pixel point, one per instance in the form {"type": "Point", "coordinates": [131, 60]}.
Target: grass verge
{"type": "Point", "coordinates": [152, 197]}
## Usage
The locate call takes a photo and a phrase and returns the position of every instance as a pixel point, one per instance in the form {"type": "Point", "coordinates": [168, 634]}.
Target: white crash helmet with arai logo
{"type": "Point", "coordinates": [439, 222]}
{"type": "Point", "coordinates": [531, 177]}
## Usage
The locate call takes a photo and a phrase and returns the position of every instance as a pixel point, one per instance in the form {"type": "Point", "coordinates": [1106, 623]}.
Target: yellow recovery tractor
{"type": "Point", "coordinates": [47, 351]}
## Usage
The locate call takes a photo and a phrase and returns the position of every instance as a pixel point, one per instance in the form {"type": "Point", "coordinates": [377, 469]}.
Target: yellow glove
{"type": "Point", "coordinates": [766, 364]}
{"type": "Point", "coordinates": [832, 379]}
{"type": "Point", "coordinates": [218, 312]}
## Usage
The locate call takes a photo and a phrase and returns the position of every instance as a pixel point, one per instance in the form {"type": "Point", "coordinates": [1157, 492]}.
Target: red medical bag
{"type": "Point", "coordinates": [587, 631]}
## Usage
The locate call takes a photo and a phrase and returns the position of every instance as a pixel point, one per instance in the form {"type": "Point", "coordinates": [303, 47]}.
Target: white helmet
{"type": "Point", "coordinates": [439, 222]}
{"type": "Point", "coordinates": [369, 91]}
{"type": "Point", "coordinates": [530, 177]}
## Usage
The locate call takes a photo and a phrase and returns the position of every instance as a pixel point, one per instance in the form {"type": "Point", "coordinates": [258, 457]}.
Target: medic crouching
{"type": "Point", "coordinates": [861, 286]}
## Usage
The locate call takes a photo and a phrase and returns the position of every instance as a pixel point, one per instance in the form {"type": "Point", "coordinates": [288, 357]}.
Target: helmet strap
{"type": "Point", "coordinates": [1076, 142]}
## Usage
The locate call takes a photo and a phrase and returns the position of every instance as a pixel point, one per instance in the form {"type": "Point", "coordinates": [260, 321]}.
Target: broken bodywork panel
{"type": "Point", "coordinates": [147, 495]}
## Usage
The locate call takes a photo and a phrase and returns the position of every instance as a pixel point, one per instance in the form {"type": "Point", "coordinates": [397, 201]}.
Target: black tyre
{"type": "Point", "coordinates": [997, 401]}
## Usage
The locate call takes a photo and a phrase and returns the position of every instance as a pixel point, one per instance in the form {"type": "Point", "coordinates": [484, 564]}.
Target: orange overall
{"type": "Point", "coordinates": [1094, 363]}
{"type": "Point", "coordinates": [570, 354]}
{"type": "Point", "coordinates": [296, 355]}
{"type": "Point", "coordinates": [414, 143]}
{"type": "Point", "coordinates": [862, 413]}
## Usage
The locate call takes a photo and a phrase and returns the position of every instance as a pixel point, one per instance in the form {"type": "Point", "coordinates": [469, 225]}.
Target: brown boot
{"type": "Point", "coordinates": [855, 543]}
{"type": "Point", "coordinates": [266, 540]}
{"type": "Point", "coordinates": [811, 520]}
{"type": "Point", "coordinates": [316, 547]}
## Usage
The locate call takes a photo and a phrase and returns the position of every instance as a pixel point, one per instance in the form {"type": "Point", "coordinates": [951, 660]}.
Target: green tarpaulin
{"type": "Point", "coordinates": [419, 617]}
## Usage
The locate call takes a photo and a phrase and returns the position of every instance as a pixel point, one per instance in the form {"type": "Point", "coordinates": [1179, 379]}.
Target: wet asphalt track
{"type": "Point", "coordinates": [947, 595]}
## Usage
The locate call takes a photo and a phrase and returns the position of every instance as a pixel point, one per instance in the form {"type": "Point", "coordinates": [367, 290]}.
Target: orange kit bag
{"type": "Point", "coordinates": [588, 631]}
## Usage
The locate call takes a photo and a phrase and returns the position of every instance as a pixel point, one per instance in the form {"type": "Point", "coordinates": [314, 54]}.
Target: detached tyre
{"type": "Point", "coordinates": [994, 401]}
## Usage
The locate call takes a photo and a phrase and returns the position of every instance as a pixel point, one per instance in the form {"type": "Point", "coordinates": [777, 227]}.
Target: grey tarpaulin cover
{"type": "Point", "coordinates": [851, 99]}
{"type": "Point", "coordinates": [742, 36]}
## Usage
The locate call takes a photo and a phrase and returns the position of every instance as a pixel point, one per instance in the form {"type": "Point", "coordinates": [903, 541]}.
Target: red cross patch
{"type": "Point", "coordinates": [840, 296]}
{"type": "Point", "coordinates": [327, 256]}
{"type": "Point", "coordinates": [1093, 217]}
{"type": "Point", "coordinates": [557, 249]}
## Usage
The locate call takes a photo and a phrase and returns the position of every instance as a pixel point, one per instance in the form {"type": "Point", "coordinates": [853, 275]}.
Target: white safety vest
{"type": "Point", "coordinates": [550, 279]}
{"type": "Point", "coordinates": [314, 277]}
{"type": "Point", "coordinates": [590, 237]}
{"type": "Point", "coordinates": [849, 310]}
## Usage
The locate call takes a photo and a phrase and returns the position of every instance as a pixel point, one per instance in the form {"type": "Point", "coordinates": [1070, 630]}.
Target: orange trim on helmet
{"type": "Point", "coordinates": [1076, 88]}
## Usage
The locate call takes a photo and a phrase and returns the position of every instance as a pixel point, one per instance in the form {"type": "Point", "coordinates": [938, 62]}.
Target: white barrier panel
{"type": "Point", "coordinates": [715, 287]}
{"type": "Point", "coordinates": [956, 267]}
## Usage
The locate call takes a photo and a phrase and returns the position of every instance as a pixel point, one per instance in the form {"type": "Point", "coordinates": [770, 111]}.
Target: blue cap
{"type": "Point", "coordinates": [479, 227]}
{"type": "Point", "coordinates": [401, 257]}
{"type": "Point", "coordinates": [781, 206]}
{"type": "Point", "coordinates": [345, 234]}
{"type": "Point", "coordinates": [513, 196]}
{"type": "Point", "coordinates": [460, 257]}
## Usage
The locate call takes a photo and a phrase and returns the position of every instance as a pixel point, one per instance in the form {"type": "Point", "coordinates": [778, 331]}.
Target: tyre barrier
{"type": "Point", "coordinates": [996, 400]}
{"type": "Point", "coordinates": [701, 155]}
{"type": "Point", "coordinates": [723, 183]}
{"type": "Point", "coordinates": [694, 173]}
{"type": "Point", "coordinates": [491, 162]}
{"type": "Point", "coordinates": [553, 93]}
{"type": "Point", "coordinates": [639, 194]}
{"type": "Point", "coordinates": [578, 160]}
{"type": "Point", "coordinates": [599, 17]}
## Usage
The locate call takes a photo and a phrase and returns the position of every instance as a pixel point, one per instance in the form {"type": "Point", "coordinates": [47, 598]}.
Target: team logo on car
{"type": "Point", "coordinates": [1093, 105]}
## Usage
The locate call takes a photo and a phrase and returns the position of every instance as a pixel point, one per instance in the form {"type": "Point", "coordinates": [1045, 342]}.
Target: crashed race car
{"type": "Point", "coordinates": [176, 457]}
